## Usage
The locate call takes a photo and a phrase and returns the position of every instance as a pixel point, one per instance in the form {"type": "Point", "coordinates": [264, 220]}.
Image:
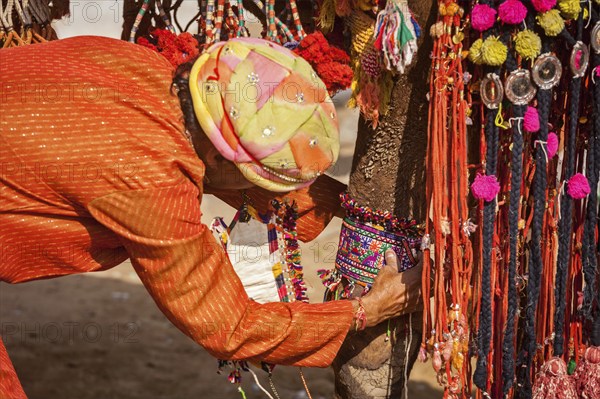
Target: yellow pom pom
{"type": "Point", "coordinates": [551, 22]}
{"type": "Point", "coordinates": [528, 44]}
{"type": "Point", "coordinates": [452, 9]}
{"type": "Point", "coordinates": [493, 51]}
{"type": "Point", "coordinates": [475, 54]}
{"type": "Point", "coordinates": [569, 8]}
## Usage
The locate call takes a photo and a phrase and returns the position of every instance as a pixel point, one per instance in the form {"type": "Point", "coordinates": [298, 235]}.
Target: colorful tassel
{"type": "Point", "coordinates": [395, 35]}
{"type": "Point", "coordinates": [588, 374]}
{"type": "Point", "coordinates": [553, 382]}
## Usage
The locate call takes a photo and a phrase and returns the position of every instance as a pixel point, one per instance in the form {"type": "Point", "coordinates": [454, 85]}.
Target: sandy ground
{"type": "Point", "coordinates": [100, 335]}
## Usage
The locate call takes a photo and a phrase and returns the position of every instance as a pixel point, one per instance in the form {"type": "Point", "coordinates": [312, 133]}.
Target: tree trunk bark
{"type": "Point", "coordinates": [388, 173]}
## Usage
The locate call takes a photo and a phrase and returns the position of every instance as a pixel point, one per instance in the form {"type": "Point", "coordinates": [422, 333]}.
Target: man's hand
{"type": "Point", "coordinates": [393, 294]}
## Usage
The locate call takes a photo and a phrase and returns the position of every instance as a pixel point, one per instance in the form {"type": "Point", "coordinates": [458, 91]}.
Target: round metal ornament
{"type": "Point", "coordinates": [595, 38]}
{"type": "Point", "coordinates": [547, 71]}
{"type": "Point", "coordinates": [580, 57]}
{"type": "Point", "coordinates": [491, 91]}
{"type": "Point", "coordinates": [518, 87]}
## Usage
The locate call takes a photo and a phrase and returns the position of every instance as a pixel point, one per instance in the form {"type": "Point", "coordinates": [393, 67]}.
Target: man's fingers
{"type": "Point", "coordinates": [391, 259]}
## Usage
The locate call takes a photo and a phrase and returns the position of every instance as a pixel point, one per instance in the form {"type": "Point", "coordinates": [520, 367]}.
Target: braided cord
{"type": "Point", "coordinates": [566, 216]}
{"type": "Point", "coordinates": [589, 254]}
{"type": "Point", "coordinates": [484, 336]}
{"type": "Point", "coordinates": [480, 377]}
{"type": "Point", "coordinates": [544, 98]}
{"type": "Point", "coordinates": [508, 347]}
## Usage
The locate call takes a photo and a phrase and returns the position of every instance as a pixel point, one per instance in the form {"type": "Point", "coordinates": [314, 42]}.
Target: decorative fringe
{"type": "Point", "coordinates": [327, 15]}
{"type": "Point", "coordinates": [395, 35]}
{"type": "Point", "coordinates": [553, 382]}
{"type": "Point", "coordinates": [588, 374]}
{"type": "Point", "coordinates": [371, 85]}
{"type": "Point", "coordinates": [287, 215]}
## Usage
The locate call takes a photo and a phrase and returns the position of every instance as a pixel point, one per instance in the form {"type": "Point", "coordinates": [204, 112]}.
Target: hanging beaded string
{"type": "Point", "coordinates": [219, 19]}
{"type": "Point", "coordinates": [296, 19]}
{"type": "Point", "coordinates": [164, 16]}
{"type": "Point", "coordinates": [231, 22]}
{"type": "Point", "coordinates": [285, 30]}
{"type": "Point", "coordinates": [272, 26]}
{"type": "Point", "coordinates": [241, 31]}
{"type": "Point", "coordinates": [445, 330]}
{"type": "Point", "coordinates": [138, 20]}
{"type": "Point", "coordinates": [209, 20]}
{"type": "Point", "coordinates": [566, 208]}
{"type": "Point", "coordinates": [304, 383]}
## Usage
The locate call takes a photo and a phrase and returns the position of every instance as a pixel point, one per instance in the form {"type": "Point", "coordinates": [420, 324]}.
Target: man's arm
{"type": "Point", "coordinates": [192, 281]}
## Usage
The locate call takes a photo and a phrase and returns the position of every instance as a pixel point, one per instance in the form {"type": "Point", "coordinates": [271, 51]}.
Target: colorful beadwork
{"type": "Point", "coordinates": [362, 248]}
{"type": "Point", "coordinates": [385, 219]}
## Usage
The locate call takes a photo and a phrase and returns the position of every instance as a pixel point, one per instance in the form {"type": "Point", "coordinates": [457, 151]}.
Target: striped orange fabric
{"type": "Point", "coordinates": [95, 169]}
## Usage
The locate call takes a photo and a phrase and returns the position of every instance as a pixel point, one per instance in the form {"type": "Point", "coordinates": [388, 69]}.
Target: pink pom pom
{"type": "Point", "coordinates": [552, 145]}
{"type": "Point", "coordinates": [532, 119]}
{"type": "Point", "coordinates": [543, 5]}
{"type": "Point", "coordinates": [485, 187]}
{"type": "Point", "coordinates": [578, 186]}
{"type": "Point", "coordinates": [482, 17]}
{"type": "Point", "coordinates": [512, 12]}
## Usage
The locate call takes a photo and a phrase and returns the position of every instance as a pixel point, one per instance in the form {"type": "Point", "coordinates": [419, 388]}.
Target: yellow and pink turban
{"type": "Point", "coordinates": [266, 110]}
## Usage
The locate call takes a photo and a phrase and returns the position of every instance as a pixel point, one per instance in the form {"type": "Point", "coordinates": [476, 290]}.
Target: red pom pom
{"type": "Point", "coordinates": [485, 187]}
{"type": "Point", "coordinates": [177, 49]}
{"type": "Point", "coordinates": [330, 63]}
{"type": "Point", "coordinates": [142, 41]}
{"type": "Point", "coordinates": [578, 186]}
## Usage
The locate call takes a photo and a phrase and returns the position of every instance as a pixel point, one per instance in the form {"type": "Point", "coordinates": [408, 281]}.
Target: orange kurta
{"type": "Point", "coordinates": [95, 169]}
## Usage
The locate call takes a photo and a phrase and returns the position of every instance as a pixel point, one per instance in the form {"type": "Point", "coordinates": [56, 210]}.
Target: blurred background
{"type": "Point", "coordinates": [100, 335]}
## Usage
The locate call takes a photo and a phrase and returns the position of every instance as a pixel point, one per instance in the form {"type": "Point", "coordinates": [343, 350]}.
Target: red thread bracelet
{"type": "Point", "coordinates": [360, 317]}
